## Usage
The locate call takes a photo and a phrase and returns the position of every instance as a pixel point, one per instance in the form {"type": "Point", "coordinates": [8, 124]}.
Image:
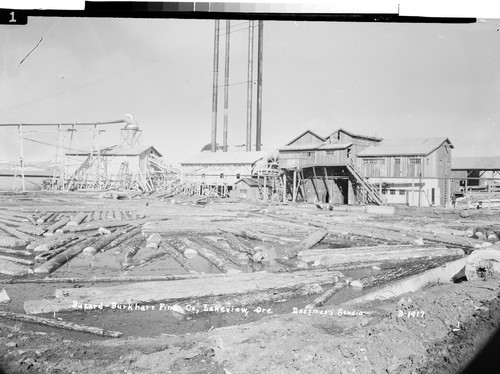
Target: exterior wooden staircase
{"type": "Point", "coordinates": [366, 190]}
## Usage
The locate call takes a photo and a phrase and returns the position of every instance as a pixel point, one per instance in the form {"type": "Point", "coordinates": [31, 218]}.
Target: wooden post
{"type": "Point", "coordinates": [413, 191]}
{"type": "Point", "coordinates": [294, 192]}
{"type": "Point", "coordinates": [284, 187]}
{"type": "Point", "coordinates": [489, 195]}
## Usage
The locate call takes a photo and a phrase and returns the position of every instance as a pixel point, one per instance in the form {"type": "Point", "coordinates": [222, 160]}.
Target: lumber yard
{"type": "Point", "coordinates": [206, 275]}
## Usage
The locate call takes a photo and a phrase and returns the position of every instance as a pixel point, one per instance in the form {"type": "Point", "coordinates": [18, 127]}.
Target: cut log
{"type": "Point", "coordinates": [11, 268]}
{"type": "Point", "coordinates": [402, 270]}
{"type": "Point", "coordinates": [62, 258]}
{"type": "Point", "coordinates": [222, 251]}
{"type": "Point", "coordinates": [263, 297]}
{"type": "Point", "coordinates": [139, 278]}
{"type": "Point", "coordinates": [77, 219]}
{"type": "Point", "coordinates": [93, 226]}
{"type": "Point", "coordinates": [442, 274]}
{"type": "Point", "coordinates": [31, 219]}
{"type": "Point", "coordinates": [378, 254]}
{"type": "Point", "coordinates": [131, 250]}
{"type": "Point", "coordinates": [149, 292]}
{"type": "Point", "coordinates": [307, 243]}
{"type": "Point", "coordinates": [16, 233]}
{"type": "Point", "coordinates": [52, 218]}
{"type": "Point", "coordinates": [320, 301]}
{"type": "Point", "coordinates": [153, 256]}
{"type": "Point", "coordinates": [96, 215]}
{"type": "Point", "coordinates": [238, 245]}
{"type": "Point", "coordinates": [104, 240]}
{"type": "Point", "coordinates": [44, 217]}
{"type": "Point", "coordinates": [17, 260]}
{"type": "Point", "coordinates": [134, 231]}
{"type": "Point", "coordinates": [60, 324]}
{"type": "Point", "coordinates": [17, 252]}
{"type": "Point", "coordinates": [173, 249]}
{"type": "Point", "coordinates": [247, 234]}
{"type": "Point", "coordinates": [37, 231]}
{"type": "Point", "coordinates": [54, 242]}
{"type": "Point", "coordinates": [45, 256]}
{"type": "Point", "coordinates": [57, 225]}
{"type": "Point", "coordinates": [10, 242]}
{"type": "Point", "coordinates": [211, 257]}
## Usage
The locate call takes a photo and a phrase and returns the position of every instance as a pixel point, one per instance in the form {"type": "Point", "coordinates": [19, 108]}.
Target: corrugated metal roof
{"type": "Point", "coordinates": [224, 158]}
{"type": "Point", "coordinates": [336, 146]}
{"type": "Point", "coordinates": [475, 163]}
{"type": "Point", "coordinates": [405, 147]}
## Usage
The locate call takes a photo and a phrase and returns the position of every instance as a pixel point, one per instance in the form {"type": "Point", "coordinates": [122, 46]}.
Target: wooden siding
{"type": "Point", "coordinates": [304, 159]}
{"type": "Point", "coordinates": [437, 164]}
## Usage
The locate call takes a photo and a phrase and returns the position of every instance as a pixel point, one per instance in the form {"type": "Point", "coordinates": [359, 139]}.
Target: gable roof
{"type": "Point", "coordinates": [475, 163]}
{"type": "Point", "coordinates": [250, 182]}
{"type": "Point", "coordinates": [405, 147]}
{"type": "Point", "coordinates": [340, 129]}
{"type": "Point", "coordinates": [305, 132]}
{"type": "Point", "coordinates": [224, 158]}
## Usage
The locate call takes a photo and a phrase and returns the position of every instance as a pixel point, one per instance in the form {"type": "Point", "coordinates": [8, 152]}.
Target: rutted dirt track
{"type": "Point", "coordinates": [437, 329]}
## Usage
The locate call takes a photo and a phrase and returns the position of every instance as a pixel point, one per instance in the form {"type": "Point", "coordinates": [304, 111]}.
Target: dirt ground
{"type": "Point", "coordinates": [438, 329]}
{"type": "Point", "coordinates": [451, 324]}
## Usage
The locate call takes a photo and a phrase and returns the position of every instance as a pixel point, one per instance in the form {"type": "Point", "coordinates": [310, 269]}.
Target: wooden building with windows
{"type": "Point", "coordinates": [414, 171]}
{"type": "Point", "coordinates": [218, 172]}
{"type": "Point", "coordinates": [324, 168]}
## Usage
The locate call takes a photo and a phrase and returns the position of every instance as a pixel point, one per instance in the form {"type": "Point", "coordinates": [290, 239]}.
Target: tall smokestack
{"type": "Point", "coordinates": [250, 86]}
{"type": "Point", "coordinates": [259, 86]}
{"type": "Point", "coordinates": [215, 86]}
{"type": "Point", "coordinates": [226, 87]}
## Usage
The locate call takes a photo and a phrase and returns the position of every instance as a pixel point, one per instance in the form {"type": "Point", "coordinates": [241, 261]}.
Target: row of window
{"type": "Point", "coordinates": [238, 176]}
{"type": "Point", "coordinates": [393, 192]}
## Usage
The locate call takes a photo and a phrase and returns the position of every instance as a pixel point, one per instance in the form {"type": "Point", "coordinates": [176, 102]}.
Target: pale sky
{"type": "Point", "coordinates": [389, 80]}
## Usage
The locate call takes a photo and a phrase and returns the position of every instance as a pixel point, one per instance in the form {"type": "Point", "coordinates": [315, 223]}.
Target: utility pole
{"type": "Point", "coordinates": [226, 87]}
{"type": "Point", "coordinates": [215, 86]}
{"type": "Point", "coordinates": [250, 86]}
{"type": "Point", "coordinates": [259, 86]}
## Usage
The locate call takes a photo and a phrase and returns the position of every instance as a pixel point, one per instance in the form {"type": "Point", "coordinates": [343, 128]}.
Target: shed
{"type": "Point", "coordinates": [247, 188]}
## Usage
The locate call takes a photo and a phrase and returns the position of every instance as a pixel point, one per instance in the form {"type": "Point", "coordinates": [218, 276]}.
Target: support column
{"type": "Point", "coordinates": [250, 86]}
{"type": "Point", "coordinates": [260, 52]}
{"type": "Point", "coordinates": [215, 86]}
{"type": "Point", "coordinates": [226, 87]}
{"type": "Point", "coordinates": [294, 191]}
{"type": "Point", "coordinates": [284, 187]}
